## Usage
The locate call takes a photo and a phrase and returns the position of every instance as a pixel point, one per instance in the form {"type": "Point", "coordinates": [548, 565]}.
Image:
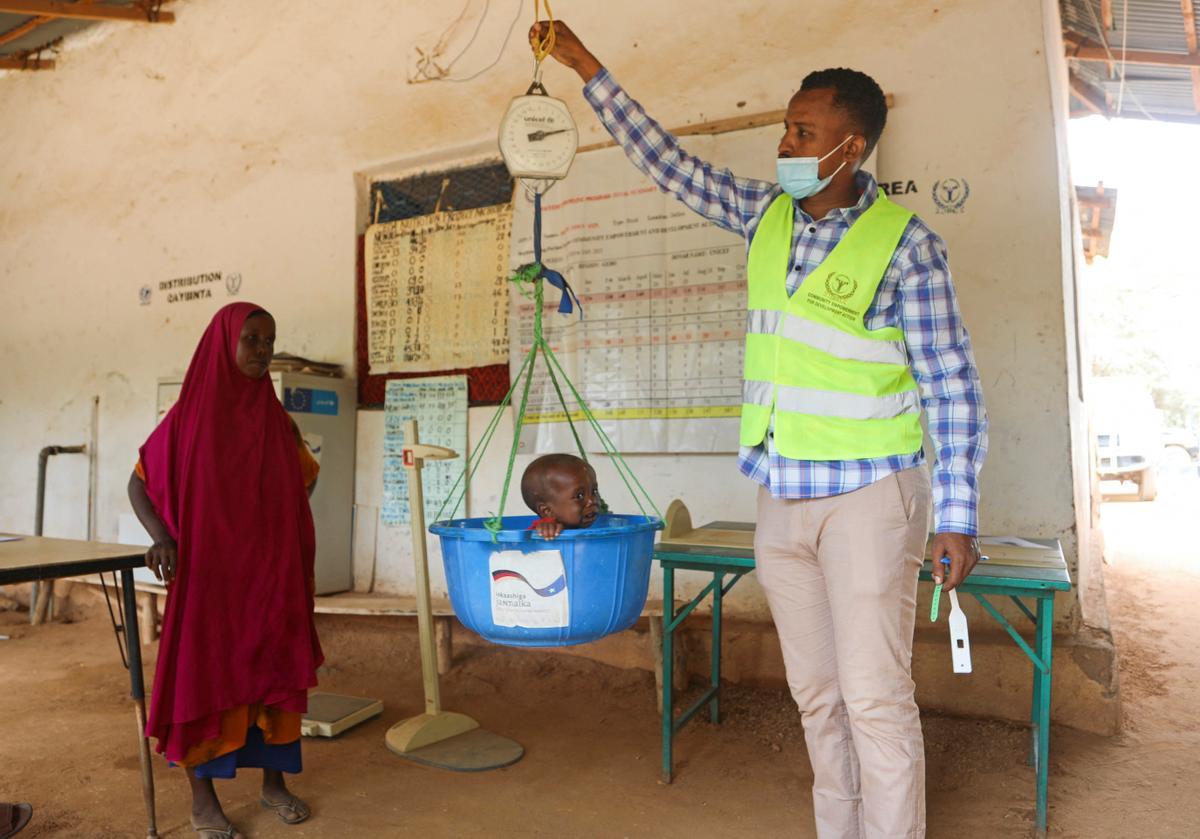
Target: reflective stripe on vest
{"type": "Point", "coordinates": [831, 403]}
{"type": "Point", "coordinates": [825, 338]}
{"type": "Point", "coordinates": [837, 390]}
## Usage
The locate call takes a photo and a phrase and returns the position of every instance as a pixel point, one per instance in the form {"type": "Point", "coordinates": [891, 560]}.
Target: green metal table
{"type": "Point", "coordinates": [730, 559]}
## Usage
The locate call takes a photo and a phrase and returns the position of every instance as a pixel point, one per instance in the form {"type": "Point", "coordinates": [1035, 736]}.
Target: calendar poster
{"type": "Point", "coordinates": [439, 405]}
{"type": "Point", "coordinates": [437, 296]}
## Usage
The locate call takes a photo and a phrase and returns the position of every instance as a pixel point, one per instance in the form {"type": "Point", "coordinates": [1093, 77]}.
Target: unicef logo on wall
{"type": "Point", "coordinates": [950, 194]}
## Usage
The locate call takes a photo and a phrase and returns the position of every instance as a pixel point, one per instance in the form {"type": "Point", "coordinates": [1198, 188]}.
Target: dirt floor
{"type": "Point", "coordinates": [592, 744]}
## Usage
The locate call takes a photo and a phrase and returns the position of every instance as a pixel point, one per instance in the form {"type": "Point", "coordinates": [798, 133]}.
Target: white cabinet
{"type": "Point", "coordinates": [323, 408]}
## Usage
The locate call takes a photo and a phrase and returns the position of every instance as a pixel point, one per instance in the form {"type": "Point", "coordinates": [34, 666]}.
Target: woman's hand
{"type": "Point", "coordinates": [163, 554]}
{"type": "Point", "coordinates": [162, 558]}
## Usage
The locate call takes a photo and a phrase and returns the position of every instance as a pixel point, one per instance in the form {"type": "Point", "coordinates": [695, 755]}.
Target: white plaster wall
{"type": "Point", "coordinates": [231, 141]}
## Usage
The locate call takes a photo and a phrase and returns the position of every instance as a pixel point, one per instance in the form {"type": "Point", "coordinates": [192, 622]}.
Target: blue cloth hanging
{"type": "Point", "coordinates": [555, 279]}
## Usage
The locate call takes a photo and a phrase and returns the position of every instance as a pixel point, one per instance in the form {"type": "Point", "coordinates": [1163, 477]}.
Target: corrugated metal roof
{"type": "Point", "coordinates": [1164, 92]}
{"type": "Point", "coordinates": [45, 34]}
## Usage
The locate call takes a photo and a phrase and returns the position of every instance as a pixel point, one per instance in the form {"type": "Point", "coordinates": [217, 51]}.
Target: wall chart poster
{"type": "Point", "coordinates": [658, 353]}
{"type": "Point", "coordinates": [437, 296]}
{"type": "Point", "coordinates": [439, 405]}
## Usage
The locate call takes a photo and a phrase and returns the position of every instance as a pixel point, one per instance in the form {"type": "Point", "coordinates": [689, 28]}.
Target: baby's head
{"type": "Point", "coordinates": [562, 487]}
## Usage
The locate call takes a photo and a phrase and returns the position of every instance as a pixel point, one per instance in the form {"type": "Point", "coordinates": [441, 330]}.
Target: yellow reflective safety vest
{"type": "Point", "coordinates": [838, 391]}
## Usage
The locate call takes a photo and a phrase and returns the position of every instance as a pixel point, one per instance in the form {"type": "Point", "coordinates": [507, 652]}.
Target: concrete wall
{"type": "Point", "coordinates": [238, 138]}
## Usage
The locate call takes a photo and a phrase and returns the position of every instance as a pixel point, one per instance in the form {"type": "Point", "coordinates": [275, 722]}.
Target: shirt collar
{"type": "Point", "coordinates": [865, 182]}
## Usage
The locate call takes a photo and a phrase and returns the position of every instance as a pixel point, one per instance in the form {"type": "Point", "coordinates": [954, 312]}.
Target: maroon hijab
{"type": "Point", "coordinates": [224, 476]}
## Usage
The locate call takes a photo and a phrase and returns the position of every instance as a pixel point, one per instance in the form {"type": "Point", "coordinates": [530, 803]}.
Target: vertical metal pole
{"type": "Point", "coordinates": [416, 503]}
{"type": "Point", "coordinates": [137, 689]}
{"type": "Point", "coordinates": [1045, 646]}
{"type": "Point", "coordinates": [668, 707]}
{"type": "Point", "coordinates": [42, 596]}
{"type": "Point", "coordinates": [714, 707]}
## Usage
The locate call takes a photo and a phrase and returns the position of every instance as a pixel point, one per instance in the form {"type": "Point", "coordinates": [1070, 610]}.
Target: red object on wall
{"type": "Point", "coordinates": [485, 385]}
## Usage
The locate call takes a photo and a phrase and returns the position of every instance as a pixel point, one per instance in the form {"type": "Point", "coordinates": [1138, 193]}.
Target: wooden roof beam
{"type": "Point", "coordinates": [1094, 100]}
{"type": "Point", "coordinates": [86, 11]}
{"type": "Point", "coordinates": [1089, 50]}
{"type": "Point", "coordinates": [30, 63]}
{"type": "Point", "coordinates": [23, 30]}
{"type": "Point", "coordinates": [1189, 30]}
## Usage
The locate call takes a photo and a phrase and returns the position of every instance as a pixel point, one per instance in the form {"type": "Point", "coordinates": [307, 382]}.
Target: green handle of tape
{"type": "Point", "coordinates": [937, 599]}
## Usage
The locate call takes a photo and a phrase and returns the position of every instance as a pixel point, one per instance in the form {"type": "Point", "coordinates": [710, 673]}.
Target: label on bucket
{"type": "Point", "coordinates": [529, 589]}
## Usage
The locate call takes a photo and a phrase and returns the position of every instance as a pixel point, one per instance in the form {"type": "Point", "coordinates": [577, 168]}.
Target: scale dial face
{"type": "Point", "coordinates": [538, 138]}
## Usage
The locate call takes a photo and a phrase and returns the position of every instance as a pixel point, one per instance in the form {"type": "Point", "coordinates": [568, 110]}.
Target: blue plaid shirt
{"type": "Point", "coordinates": [916, 295]}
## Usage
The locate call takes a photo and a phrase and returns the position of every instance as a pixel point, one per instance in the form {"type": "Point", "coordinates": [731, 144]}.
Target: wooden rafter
{"type": "Point", "coordinates": [1094, 100]}
{"type": "Point", "coordinates": [1189, 30]}
{"type": "Point", "coordinates": [23, 30]}
{"type": "Point", "coordinates": [723, 126]}
{"type": "Point", "coordinates": [1085, 49]}
{"type": "Point", "coordinates": [1106, 20]}
{"type": "Point", "coordinates": [86, 11]}
{"type": "Point", "coordinates": [30, 63]}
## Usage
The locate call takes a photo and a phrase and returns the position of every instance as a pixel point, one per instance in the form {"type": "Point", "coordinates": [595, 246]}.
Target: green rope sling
{"type": "Point", "coordinates": [531, 276]}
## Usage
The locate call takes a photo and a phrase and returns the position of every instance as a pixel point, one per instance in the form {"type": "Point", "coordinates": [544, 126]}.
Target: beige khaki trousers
{"type": "Point", "coordinates": [840, 575]}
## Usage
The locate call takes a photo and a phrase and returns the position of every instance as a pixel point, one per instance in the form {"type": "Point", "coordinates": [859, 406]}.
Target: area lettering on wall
{"type": "Point", "coordinates": [898, 187]}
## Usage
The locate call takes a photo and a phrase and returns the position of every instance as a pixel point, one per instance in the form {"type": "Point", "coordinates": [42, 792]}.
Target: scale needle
{"type": "Point", "coordinates": [541, 135]}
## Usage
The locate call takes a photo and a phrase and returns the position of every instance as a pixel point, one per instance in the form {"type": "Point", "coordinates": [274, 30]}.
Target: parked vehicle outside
{"type": "Point", "coordinates": [1128, 433]}
{"type": "Point", "coordinates": [1181, 455]}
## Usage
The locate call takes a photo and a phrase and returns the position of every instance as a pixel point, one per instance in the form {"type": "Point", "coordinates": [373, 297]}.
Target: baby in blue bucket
{"type": "Point", "coordinates": [563, 491]}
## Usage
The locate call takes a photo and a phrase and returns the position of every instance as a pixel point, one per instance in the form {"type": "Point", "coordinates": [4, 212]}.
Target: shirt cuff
{"type": "Point", "coordinates": [956, 517]}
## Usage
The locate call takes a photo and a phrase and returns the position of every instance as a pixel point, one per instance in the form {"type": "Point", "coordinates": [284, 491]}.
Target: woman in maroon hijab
{"type": "Point", "coordinates": [221, 489]}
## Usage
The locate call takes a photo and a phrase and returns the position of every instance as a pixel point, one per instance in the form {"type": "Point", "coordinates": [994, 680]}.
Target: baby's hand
{"type": "Point", "coordinates": [549, 529]}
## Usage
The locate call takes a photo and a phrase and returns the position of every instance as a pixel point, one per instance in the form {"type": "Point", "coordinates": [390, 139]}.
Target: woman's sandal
{"type": "Point", "coordinates": [298, 809]}
{"type": "Point", "coordinates": [226, 832]}
{"type": "Point", "coordinates": [13, 818]}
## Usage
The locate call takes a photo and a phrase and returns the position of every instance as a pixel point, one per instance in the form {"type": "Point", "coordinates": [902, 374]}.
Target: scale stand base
{"type": "Point", "coordinates": [447, 740]}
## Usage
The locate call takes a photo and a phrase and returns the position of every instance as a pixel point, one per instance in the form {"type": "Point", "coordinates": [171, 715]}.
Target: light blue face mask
{"type": "Point", "coordinates": [800, 176]}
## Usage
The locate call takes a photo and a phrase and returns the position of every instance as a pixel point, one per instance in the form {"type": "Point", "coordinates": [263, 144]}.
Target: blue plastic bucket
{"type": "Point", "coordinates": [527, 591]}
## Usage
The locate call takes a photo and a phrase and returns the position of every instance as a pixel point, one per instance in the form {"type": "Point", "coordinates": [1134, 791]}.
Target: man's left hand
{"type": "Point", "coordinates": [962, 551]}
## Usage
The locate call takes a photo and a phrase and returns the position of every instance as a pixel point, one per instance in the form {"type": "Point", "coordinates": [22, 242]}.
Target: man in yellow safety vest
{"type": "Point", "coordinates": [852, 328]}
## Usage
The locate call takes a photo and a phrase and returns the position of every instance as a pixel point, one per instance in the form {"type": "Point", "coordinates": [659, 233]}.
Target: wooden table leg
{"type": "Point", "coordinates": [148, 622]}
{"type": "Point", "coordinates": [444, 642]}
{"type": "Point", "coordinates": [137, 689]}
{"type": "Point", "coordinates": [656, 655]}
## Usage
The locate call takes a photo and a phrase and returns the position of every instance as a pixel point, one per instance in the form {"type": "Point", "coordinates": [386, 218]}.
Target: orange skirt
{"type": "Point", "coordinates": [278, 727]}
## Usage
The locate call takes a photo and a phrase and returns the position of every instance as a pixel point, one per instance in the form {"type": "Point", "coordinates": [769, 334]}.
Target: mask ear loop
{"type": "Point", "coordinates": [849, 137]}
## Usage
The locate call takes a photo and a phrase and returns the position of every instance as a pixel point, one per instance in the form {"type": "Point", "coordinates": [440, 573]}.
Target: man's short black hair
{"type": "Point", "coordinates": [858, 95]}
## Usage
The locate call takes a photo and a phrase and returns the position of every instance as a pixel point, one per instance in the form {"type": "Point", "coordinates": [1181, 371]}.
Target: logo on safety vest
{"type": "Point", "coordinates": [840, 286]}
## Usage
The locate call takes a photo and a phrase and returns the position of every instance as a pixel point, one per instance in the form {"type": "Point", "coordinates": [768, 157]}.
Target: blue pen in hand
{"type": "Point", "coordinates": [937, 593]}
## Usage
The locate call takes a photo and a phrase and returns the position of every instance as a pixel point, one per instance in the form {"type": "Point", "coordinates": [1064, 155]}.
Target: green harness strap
{"type": "Point", "coordinates": [532, 275]}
